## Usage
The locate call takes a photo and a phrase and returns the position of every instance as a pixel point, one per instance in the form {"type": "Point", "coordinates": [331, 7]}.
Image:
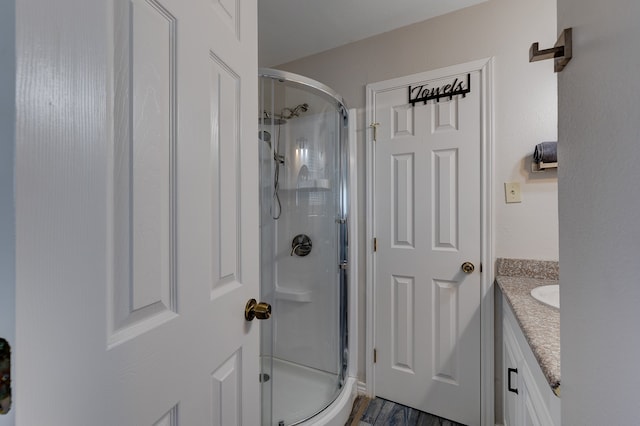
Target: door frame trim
{"type": "Point", "coordinates": [485, 68]}
{"type": "Point", "coordinates": [353, 239]}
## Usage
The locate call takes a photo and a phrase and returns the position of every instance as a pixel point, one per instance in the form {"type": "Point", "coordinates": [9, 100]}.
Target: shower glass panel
{"type": "Point", "coordinates": [303, 231]}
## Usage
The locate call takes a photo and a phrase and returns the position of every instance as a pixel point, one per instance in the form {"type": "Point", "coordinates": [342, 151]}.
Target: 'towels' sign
{"type": "Point", "coordinates": [426, 93]}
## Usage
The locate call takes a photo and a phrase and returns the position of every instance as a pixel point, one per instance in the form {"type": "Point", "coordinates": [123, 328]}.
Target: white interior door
{"type": "Point", "coordinates": [427, 224]}
{"type": "Point", "coordinates": [137, 213]}
{"type": "Point", "coordinates": [7, 200]}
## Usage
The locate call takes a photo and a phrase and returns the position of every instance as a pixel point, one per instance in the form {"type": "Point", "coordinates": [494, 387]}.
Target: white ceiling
{"type": "Point", "coordinates": [293, 29]}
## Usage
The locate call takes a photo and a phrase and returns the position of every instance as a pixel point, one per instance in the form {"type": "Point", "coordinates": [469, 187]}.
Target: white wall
{"type": "Point", "coordinates": [7, 154]}
{"type": "Point", "coordinates": [599, 192]}
{"type": "Point", "coordinates": [525, 105]}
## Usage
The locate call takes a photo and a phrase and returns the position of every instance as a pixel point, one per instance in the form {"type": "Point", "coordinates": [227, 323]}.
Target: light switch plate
{"type": "Point", "coordinates": [512, 192]}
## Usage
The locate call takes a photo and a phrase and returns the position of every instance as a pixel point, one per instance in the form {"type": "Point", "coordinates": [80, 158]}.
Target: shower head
{"type": "Point", "coordinates": [264, 136]}
{"type": "Point", "coordinates": [295, 111]}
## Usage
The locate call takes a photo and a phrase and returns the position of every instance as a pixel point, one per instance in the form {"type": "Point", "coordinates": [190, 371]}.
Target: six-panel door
{"type": "Point", "coordinates": [427, 224]}
{"type": "Point", "coordinates": [136, 197]}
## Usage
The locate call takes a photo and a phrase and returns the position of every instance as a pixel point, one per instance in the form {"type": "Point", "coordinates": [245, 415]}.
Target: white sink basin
{"type": "Point", "coordinates": [547, 294]}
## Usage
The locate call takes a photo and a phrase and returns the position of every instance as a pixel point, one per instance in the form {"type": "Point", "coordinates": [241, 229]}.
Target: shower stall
{"type": "Point", "coordinates": [304, 155]}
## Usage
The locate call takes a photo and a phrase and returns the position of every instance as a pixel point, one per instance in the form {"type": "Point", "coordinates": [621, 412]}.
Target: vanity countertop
{"type": "Point", "coordinates": [540, 323]}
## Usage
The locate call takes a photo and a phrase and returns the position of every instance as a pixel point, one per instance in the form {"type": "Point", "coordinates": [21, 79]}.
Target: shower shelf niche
{"type": "Point", "coordinates": [310, 185]}
{"type": "Point", "coordinates": [302, 296]}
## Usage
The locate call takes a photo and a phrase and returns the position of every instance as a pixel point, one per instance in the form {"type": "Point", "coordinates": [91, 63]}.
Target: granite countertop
{"type": "Point", "coordinates": [540, 323]}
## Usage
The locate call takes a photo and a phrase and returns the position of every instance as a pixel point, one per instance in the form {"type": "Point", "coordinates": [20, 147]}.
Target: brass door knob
{"type": "Point", "coordinates": [261, 310]}
{"type": "Point", "coordinates": [467, 267]}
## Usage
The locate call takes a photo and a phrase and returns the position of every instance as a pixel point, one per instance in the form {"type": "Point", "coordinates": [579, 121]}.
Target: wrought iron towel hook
{"type": "Point", "coordinates": [561, 52]}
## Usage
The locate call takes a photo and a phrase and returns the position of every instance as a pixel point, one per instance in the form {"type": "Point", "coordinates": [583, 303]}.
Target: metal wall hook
{"type": "Point", "coordinates": [561, 52]}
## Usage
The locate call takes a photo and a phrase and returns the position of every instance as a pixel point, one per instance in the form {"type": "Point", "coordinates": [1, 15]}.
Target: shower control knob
{"type": "Point", "coordinates": [301, 245]}
{"type": "Point", "coordinates": [253, 309]}
{"type": "Point", "coordinates": [467, 267]}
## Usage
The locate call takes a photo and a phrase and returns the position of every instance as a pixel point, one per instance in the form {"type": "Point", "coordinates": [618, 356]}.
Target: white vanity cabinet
{"type": "Point", "coordinates": [527, 397]}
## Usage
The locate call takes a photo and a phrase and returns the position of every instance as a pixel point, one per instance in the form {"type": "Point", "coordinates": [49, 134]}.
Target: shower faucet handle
{"type": "Point", "coordinates": [301, 245]}
{"type": "Point", "coordinates": [253, 309]}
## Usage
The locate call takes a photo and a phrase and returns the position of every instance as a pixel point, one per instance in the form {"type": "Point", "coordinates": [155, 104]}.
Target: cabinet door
{"type": "Point", "coordinates": [525, 387]}
{"type": "Point", "coordinates": [511, 379]}
{"type": "Point", "coordinates": [529, 412]}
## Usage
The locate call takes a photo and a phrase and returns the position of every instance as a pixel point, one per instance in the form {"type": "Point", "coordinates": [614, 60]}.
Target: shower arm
{"type": "Point", "coordinates": [286, 113]}
{"type": "Point", "coordinates": [295, 111]}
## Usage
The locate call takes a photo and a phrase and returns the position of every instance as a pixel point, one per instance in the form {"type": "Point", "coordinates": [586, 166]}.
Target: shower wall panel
{"type": "Point", "coordinates": [306, 288]}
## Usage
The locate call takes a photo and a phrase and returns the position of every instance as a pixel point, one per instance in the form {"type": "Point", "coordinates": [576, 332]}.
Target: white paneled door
{"type": "Point", "coordinates": [427, 224]}
{"type": "Point", "coordinates": [136, 213]}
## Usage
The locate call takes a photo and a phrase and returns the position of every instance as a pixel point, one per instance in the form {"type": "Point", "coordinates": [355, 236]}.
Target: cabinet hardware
{"type": "Point", "coordinates": [509, 387]}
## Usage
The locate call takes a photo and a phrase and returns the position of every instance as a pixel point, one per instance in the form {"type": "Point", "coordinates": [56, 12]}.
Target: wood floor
{"type": "Point", "coordinates": [380, 412]}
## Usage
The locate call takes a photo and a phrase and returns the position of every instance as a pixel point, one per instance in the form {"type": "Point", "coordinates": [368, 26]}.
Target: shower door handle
{"type": "Point", "coordinates": [253, 309]}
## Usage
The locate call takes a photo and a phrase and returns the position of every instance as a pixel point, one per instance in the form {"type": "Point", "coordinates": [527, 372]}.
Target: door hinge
{"type": "Point", "coordinates": [480, 266]}
{"type": "Point", "coordinates": [343, 265]}
{"type": "Point", "coordinates": [374, 126]}
{"type": "Point", "coordinates": [375, 244]}
{"type": "Point", "coordinates": [375, 356]}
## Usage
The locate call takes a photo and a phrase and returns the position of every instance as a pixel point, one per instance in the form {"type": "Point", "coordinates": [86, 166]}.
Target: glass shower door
{"type": "Point", "coordinates": [301, 231]}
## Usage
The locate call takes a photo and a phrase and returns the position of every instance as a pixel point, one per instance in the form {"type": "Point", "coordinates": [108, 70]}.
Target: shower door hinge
{"type": "Point", "coordinates": [344, 265]}
{"type": "Point", "coordinates": [481, 267]}
{"type": "Point", "coordinates": [341, 221]}
{"type": "Point", "coordinates": [375, 244]}
{"type": "Point", "coordinates": [375, 356]}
